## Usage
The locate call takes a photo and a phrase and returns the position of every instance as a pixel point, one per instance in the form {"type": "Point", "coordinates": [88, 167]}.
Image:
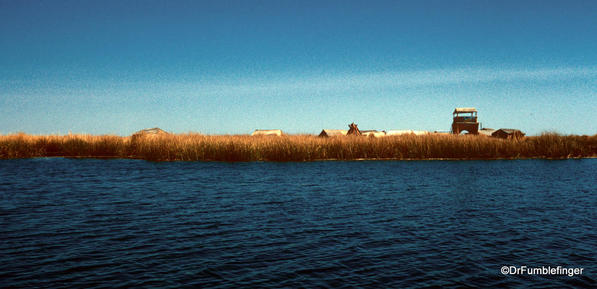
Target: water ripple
{"type": "Point", "coordinates": [127, 223]}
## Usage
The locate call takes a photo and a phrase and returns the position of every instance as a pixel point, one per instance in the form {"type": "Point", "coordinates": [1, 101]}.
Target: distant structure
{"type": "Point", "coordinates": [353, 129]}
{"type": "Point", "coordinates": [486, 131]}
{"type": "Point", "coordinates": [272, 132]}
{"type": "Point", "coordinates": [373, 133]}
{"type": "Point", "coordinates": [508, 133]}
{"type": "Point", "coordinates": [148, 132]}
{"type": "Point", "coordinates": [465, 118]}
{"type": "Point", "coordinates": [442, 132]}
{"type": "Point", "coordinates": [333, 132]}
{"type": "Point", "coordinates": [145, 134]}
{"type": "Point", "coordinates": [406, 132]}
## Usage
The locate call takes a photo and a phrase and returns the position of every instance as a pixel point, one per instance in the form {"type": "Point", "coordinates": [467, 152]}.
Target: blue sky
{"type": "Point", "coordinates": [229, 67]}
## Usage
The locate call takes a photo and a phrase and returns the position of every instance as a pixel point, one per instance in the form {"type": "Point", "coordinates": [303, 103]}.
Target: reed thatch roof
{"type": "Point", "coordinates": [353, 129]}
{"type": "Point", "coordinates": [406, 131]}
{"type": "Point", "coordinates": [333, 132]}
{"type": "Point", "coordinates": [374, 133]}
{"type": "Point", "coordinates": [486, 131]}
{"type": "Point", "coordinates": [147, 133]}
{"type": "Point", "coordinates": [508, 133]}
{"type": "Point", "coordinates": [275, 132]}
{"type": "Point", "coordinates": [150, 131]}
{"type": "Point", "coordinates": [464, 109]}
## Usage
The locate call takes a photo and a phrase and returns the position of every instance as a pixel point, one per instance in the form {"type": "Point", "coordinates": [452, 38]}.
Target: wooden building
{"type": "Point", "coordinates": [508, 133]}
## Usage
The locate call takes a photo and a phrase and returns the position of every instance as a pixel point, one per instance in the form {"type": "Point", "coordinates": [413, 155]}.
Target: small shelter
{"type": "Point", "coordinates": [353, 129]}
{"type": "Point", "coordinates": [420, 132]}
{"type": "Point", "coordinates": [486, 131]}
{"type": "Point", "coordinates": [333, 132]}
{"type": "Point", "coordinates": [272, 132]}
{"type": "Point", "coordinates": [508, 133]}
{"type": "Point", "coordinates": [406, 132]}
{"type": "Point", "coordinates": [373, 133]}
{"type": "Point", "coordinates": [147, 133]}
{"type": "Point", "coordinates": [398, 132]}
{"type": "Point", "coordinates": [151, 131]}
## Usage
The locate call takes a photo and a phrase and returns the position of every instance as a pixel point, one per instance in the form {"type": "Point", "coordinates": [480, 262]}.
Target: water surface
{"type": "Point", "coordinates": [131, 223]}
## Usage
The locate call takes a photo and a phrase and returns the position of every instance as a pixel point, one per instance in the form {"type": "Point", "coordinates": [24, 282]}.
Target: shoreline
{"type": "Point", "coordinates": [314, 160]}
{"type": "Point", "coordinates": [297, 148]}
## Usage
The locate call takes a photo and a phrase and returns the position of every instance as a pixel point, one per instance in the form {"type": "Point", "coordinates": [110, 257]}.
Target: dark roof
{"type": "Point", "coordinates": [508, 130]}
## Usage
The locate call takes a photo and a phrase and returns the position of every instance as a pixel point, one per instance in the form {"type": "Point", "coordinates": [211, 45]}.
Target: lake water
{"type": "Point", "coordinates": [131, 223]}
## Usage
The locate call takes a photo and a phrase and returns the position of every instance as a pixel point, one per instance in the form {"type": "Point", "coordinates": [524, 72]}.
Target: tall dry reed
{"type": "Point", "coordinates": [196, 147]}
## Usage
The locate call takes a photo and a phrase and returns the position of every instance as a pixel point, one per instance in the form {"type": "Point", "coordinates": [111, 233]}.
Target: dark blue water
{"type": "Point", "coordinates": [130, 223]}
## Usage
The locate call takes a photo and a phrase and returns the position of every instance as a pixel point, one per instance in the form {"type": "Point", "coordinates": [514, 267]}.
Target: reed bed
{"type": "Point", "coordinates": [196, 147]}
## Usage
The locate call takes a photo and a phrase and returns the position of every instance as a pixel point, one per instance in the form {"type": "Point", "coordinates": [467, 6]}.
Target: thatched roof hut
{"type": "Point", "coordinates": [373, 133]}
{"type": "Point", "coordinates": [333, 132]}
{"type": "Point", "coordinates": [353, 129]}
{"type": "Point", "coordinates": [406, 132]}
{"type": "Point", "coordinates": [421, 132]}
{"type": "Point", "coordinates": [272, 132]}
{"type": "Point", "coordinates": [398, 132]}
{"type": "Point", "coordinates": [148, 132]}
{"type": "Point", "coordinates": [508, 133]}
{"type": "Point", "coordinates": [486, 131]}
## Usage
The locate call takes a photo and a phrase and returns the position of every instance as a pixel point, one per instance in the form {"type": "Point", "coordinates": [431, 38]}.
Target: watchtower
{"type": "Point", "coordinates": [465, 118]}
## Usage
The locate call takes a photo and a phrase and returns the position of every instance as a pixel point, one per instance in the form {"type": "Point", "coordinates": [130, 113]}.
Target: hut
{"type": "Point", "coordinates": [148, 132]}
{"type": "Point", "coordinates": [398, 132]}
{"type": "Point", "coordinates": [145, 134]}
{"type": "Point", "coordinates": [373, 133]}
{"type": "Point", "coordinates": [271, 132]}
{"type": "Point", "coordinates": [353, 129]}
{"type": "Point", "coordinates": [486, 131]}
{"type": "Point", "coordinates": [406, 132]}
{"type": "Point", "coordinates": [333, 132]}
{"type": "Point", "coordinates": [508, 133]}
{"type": "Point", "coordinates": [420, 132]}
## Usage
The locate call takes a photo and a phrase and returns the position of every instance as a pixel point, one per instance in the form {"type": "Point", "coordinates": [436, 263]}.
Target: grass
{"type": "Point", "coordinates": [196, 147]}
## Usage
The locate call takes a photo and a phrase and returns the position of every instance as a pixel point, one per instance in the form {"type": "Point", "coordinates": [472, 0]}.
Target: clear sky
{"type": "Point", "coordinates": [228, 67]}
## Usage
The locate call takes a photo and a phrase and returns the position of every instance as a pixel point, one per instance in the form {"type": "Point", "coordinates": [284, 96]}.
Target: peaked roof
{"type": "Point", "coordinates": [354, 130]}
{"type": "Point", "coordinates": [508, 130]}
{"type": "Point", "coordinates": [333, 132]}
{"type": "Point", "coordinates": [155, 130]}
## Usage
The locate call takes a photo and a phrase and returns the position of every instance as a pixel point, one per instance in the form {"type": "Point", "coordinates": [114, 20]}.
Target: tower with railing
{"type": "Point", "coordinates": [465, 119]}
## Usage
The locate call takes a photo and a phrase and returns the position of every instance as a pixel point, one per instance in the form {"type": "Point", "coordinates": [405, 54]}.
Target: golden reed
{"type": "Point", "coordinates": [197, 147]}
